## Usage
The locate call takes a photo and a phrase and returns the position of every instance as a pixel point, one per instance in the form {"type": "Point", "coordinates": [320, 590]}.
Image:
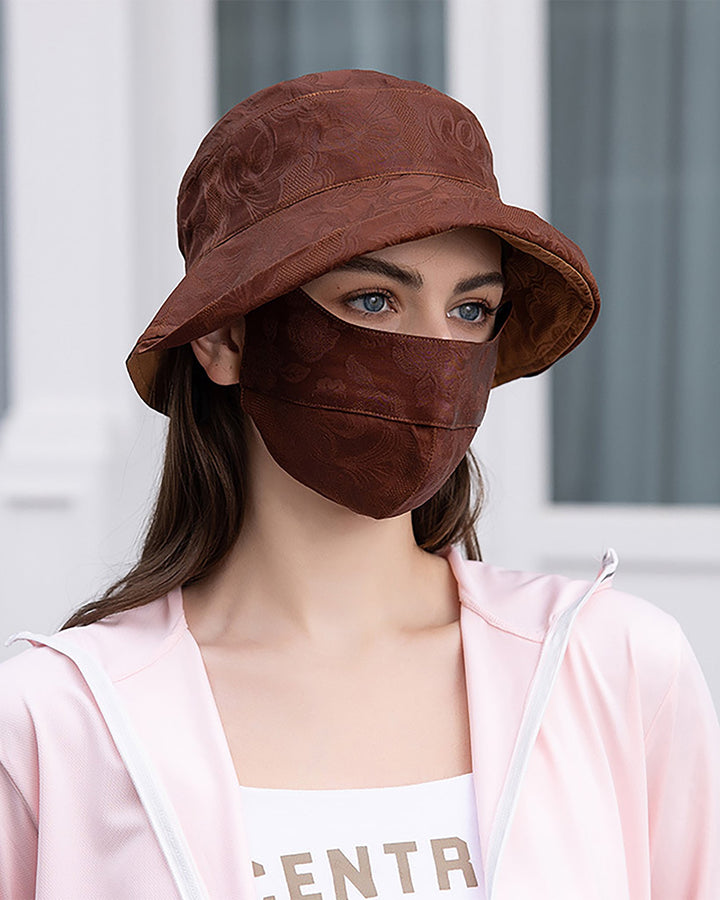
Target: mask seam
{"type": "Point", "coordinates": [351, 409]}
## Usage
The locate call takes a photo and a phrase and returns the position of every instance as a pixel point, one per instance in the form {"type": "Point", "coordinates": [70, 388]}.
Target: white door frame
{"type": "Point", "coordinates": [105, 105]}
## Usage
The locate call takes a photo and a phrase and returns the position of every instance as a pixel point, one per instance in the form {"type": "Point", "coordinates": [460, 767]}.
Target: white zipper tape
{"type": "Point", "coordinates": [551, 657]}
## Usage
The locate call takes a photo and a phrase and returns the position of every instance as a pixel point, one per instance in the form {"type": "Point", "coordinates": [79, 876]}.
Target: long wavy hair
{"type": "Point", "coordinates": [200, 504]}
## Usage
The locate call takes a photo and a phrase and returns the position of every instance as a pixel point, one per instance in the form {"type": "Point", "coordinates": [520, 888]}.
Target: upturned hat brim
{"type": "Point", "coordinates": [555, 299]}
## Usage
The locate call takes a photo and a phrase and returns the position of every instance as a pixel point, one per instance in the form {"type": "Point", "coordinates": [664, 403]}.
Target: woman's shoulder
{"type": "Point", "coordinates": [46, 672]}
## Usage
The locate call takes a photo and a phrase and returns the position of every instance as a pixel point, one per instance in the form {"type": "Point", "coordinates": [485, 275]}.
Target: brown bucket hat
{"type": "Point", "coordinates": [309, 173]}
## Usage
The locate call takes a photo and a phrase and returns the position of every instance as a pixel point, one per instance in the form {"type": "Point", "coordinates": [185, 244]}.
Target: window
{"type": "Point", "coordinates": [261, 42]}
{"type": "Point", "coordinates": [635, 181]}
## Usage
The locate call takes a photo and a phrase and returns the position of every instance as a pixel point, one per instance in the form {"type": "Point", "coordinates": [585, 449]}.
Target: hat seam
{"type": "Point", "coordinates": [267, 112]}
{"type": "Point", "coordinates": [331, 187]}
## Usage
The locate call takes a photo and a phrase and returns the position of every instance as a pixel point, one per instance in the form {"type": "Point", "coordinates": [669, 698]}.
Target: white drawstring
{"type": "Point", "coordinates": [152, 795]}
{"type": "Point", "coordinates": [551, 657]}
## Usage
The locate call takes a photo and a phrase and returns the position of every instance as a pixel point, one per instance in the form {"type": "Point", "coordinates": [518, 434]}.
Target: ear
{"type": "Point", "coordinates": [220, 352]}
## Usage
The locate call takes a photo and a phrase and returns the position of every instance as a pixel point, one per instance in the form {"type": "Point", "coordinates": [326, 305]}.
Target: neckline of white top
{"type": "Point", "coordinates": [449, 782]}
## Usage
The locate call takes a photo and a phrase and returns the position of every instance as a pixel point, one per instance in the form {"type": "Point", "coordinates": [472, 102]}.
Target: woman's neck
{"type": "Point", "coordinates": [305, 568]}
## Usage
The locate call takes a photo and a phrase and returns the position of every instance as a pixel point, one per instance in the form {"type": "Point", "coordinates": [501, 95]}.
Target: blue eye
{"type": "Point", "coordinates": [471, 312]}
{"type": "Point", "coordinates": [369, 302]}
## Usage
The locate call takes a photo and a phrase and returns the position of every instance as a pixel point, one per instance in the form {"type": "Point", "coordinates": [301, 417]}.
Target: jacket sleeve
{"type": "Point", "coordinates": [19, 787]}
{"type": "Point", "coordinates": [18, 842]}
{"type": "Point", "coordinates": [683, 771]}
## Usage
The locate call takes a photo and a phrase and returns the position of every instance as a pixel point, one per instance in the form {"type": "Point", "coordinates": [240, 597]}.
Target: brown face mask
{"type": "Point", "coordinates": [374, 420]}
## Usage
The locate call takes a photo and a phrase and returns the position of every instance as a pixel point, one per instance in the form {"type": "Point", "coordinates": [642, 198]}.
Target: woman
{"type": "Point", "coordinates": [303, 689]}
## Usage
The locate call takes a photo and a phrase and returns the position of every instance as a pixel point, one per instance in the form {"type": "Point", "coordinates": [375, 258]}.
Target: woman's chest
{"type": "Point", "coordinates": [395, 715]}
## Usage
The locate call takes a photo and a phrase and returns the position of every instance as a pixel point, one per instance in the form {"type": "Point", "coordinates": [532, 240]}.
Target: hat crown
{"type": "Point", "coordinates": [308, 135]}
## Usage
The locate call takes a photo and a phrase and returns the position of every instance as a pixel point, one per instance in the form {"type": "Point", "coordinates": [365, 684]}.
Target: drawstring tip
{"type": "Point", "coordinates": [609, 563]}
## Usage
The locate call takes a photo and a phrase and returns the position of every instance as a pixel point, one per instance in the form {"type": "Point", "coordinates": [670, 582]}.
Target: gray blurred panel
{"type": "Point", "coordinates": [261, 42]}
{"type": "Point", "coordinates": [635, 181]}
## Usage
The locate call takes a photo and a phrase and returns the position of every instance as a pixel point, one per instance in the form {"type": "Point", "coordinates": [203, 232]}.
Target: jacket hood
{"type": "Point", "coordinates": [526, 604]}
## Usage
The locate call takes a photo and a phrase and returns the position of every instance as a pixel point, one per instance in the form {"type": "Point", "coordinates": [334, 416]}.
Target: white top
{"type": "Point", "coordinates": [391, 843]}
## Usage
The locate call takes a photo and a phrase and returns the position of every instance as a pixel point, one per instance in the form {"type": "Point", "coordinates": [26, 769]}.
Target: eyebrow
{"type": "Point", "coordinates": [412, 278]}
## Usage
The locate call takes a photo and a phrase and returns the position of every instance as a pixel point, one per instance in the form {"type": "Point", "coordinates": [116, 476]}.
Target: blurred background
{"type": "Point", "coordinates": [604, 118]}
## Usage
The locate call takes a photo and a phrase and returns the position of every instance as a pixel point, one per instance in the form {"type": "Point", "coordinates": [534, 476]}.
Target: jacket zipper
{"type": "Point", "coordinates": [551, 657]}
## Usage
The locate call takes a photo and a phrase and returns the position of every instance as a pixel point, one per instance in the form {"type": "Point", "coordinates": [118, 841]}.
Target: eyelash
{"type": "Point", "coordinates": [487, 311]}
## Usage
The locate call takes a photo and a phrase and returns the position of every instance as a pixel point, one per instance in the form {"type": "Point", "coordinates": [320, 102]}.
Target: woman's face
{"type": "Point", "coordinates": [447, 286]}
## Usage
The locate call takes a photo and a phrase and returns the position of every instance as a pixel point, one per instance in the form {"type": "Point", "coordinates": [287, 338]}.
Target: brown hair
{"type": "Point", "coordinates": [199, 507]}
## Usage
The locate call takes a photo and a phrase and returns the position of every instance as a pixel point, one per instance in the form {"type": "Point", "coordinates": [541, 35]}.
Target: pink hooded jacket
{"type": "Point", "coordinates": [595, 748]}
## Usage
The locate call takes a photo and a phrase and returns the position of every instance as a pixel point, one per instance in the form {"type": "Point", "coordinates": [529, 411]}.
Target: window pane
{"type": "Point", "coordinates": [261, 42]}
{"type": "Point", "coordinates": [635, 181]}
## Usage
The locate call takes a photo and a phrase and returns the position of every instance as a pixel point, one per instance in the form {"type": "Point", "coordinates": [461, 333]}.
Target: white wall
{"type": "Point", "coordinates": [106, 104]}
